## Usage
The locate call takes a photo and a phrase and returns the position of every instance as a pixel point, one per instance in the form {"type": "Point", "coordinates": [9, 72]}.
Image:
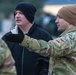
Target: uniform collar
{"type": "Point", "coordinates": [69, 30]}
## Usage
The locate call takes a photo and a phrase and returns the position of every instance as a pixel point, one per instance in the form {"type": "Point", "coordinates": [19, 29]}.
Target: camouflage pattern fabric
{"type": "Point", "coordinates": [7, 66]}
{"type": "Point", "coordinates": [62, 52]}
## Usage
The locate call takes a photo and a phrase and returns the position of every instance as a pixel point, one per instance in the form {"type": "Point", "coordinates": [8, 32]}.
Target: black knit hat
{"type": "Point", "coordinates": [27, 9]}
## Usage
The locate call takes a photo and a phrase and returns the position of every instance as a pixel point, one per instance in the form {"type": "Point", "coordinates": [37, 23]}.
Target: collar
{"type": "Point", "coordinates": [68, 31]}
{"type": "Point", "coordinates": [33, 28]}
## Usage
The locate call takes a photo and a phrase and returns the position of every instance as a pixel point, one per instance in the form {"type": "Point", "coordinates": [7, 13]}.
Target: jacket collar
{"type": "Point", "coordinates": [68, 30]}
{"type": "Point", "coordinates": [33, 28]}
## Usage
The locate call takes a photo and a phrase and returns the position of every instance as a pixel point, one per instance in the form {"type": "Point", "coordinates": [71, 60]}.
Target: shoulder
{"type": "Point", "coordinates": [40, 33]}
{"type": "Point", "coordinates": [71, 35]}
{"type": "Point", "coordinates": [4, 48]}
{"type": "Point", "coordinates": [68, 37]}
{"type": "Point", "coordinates": [45, 34]}
{"type": "Point", "coordinates": [3, 44]}
{"type": "Point", "coordinates": [43, 31]}
{"type": "Point", "coordinates": [3, 37]}
{"type": "Point", "coordinates": [40, 30]}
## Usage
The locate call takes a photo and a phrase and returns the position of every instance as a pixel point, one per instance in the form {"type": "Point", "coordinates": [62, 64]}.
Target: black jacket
{"type": "Point", "coordinates": [26, 60]}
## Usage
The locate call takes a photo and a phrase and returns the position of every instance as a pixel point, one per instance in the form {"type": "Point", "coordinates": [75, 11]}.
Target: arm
{"type": "Point", "coordinates": [2, 53]}
{"type": "Point", "coordinates": [62, 46]}
{"type": "Point", "coordinates": [6, 61]}
{"type": "Point", "coordinates": [38, 46]}
{"type": "Point", "coordinates": [59, 47]}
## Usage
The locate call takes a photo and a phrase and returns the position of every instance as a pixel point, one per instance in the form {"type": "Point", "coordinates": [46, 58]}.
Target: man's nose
{"type": "Point", "coordinates": [17, 15]}
{"type": "Point", "coordinates": [56, 20]}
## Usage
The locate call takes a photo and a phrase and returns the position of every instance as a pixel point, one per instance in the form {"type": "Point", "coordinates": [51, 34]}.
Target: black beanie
{"type": "Point", "coordinates": [27, 9]}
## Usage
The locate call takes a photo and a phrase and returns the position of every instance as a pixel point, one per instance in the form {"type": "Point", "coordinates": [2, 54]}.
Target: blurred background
{"type": "Point", "coordinates": [45, 16]}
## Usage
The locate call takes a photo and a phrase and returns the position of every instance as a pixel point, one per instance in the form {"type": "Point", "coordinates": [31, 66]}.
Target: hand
{"type": "Point", "coordinates": [18, 38]}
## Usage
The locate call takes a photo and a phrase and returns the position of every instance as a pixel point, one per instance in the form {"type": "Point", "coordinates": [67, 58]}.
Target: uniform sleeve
{"type": "Point", "coordinates": [63, 46]}
{"type": "Point", "coordinates": [38, 46]}
{"type": "Point", "coordinates": [7, 62]}
{"type": "Point", "coordinates": [57, 48]}
{"type": "Point", "coordinates": [2, 53]}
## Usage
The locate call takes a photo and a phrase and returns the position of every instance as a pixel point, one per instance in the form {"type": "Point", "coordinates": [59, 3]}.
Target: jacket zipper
{"type": "Point", "coordinates": [22, 61]}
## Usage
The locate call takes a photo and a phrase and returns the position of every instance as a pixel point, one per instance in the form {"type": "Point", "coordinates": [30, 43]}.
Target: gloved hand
{"type": "Point", "coordinates": [18, 38]}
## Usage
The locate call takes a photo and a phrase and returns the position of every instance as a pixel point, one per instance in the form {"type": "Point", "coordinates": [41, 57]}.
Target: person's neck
{"type": "Point", "coordinates": [70, 26]}
{"type": "Point", "coordinates": [25, 29]}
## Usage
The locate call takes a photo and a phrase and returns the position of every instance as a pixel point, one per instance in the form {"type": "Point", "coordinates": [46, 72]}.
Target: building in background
{"type": "Point", "coordinates": [52, 6]}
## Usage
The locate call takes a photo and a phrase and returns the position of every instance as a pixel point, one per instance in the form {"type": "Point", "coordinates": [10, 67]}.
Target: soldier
{"type": "Point", "coordinates": [7, 66]}
{"type": "Point", "coordinates": [62, 50]}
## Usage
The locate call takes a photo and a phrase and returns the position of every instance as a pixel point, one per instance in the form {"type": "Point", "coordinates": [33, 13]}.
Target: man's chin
{"type": "Point", "coordinates": [18, 24]}
{"type": "Point", "coordinates": [60, 30]}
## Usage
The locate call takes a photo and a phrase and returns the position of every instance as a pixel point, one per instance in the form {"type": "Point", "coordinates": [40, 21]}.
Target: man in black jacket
{"type": "Point", "coordinates": [27, 63]}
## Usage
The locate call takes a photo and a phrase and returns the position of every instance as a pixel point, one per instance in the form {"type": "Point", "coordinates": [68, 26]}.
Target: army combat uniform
{"type": "Point", "coordinates": [62, 52]}
{"type": "Point", "coordinates": [7, 66]}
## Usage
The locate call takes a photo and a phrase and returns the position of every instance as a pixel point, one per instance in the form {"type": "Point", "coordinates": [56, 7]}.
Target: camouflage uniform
{"type": "Point", "coordinates": [7, 66]}
{"type": "Point", "coordinates": [62, 52]}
